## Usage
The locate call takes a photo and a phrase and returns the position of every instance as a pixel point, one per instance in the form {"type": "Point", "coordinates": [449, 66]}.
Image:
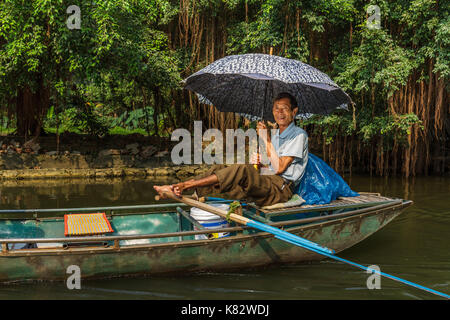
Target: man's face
{"type": "Point", "coordinates": [282, 112]}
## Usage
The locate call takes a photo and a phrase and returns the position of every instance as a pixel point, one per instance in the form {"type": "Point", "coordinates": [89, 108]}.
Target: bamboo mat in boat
{"type": "Point", "coordinates": [341, 202]}
{"type": "Point", "coordinates": [86, 224]}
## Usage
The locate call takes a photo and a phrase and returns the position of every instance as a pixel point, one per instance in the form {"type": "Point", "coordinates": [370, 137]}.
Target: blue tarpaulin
{"type": "Point", "coordinates": [321, 184]}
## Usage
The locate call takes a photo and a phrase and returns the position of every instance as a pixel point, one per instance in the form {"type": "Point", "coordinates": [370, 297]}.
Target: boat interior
{"type": "Point", "coordinates": [159, 223]}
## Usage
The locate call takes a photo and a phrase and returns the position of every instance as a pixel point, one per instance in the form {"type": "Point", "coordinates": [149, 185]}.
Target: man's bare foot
{"type": "Point", "coordinates": [164, 189]}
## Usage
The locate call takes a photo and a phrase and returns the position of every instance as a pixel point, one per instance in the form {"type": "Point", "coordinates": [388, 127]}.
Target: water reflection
{"type": "Point", "coordinates": [60, 193]}
{"type": "Point", "coordinates": [68, 193]}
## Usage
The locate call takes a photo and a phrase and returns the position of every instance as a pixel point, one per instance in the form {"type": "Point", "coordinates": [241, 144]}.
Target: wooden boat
{"type": "Point", "coordinates": [160, 238]}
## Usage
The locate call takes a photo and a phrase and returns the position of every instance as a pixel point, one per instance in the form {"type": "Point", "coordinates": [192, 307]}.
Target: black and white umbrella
{"type": "Point", "coordinates": [248, 83]}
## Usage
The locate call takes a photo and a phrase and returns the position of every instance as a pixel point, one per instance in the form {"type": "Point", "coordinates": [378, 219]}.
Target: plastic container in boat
{"type": "Point", "coordinates": [210, 221]}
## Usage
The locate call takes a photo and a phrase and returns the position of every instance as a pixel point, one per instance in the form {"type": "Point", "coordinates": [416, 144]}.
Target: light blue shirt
{"type": "Point", "coordinates": [292, 142]}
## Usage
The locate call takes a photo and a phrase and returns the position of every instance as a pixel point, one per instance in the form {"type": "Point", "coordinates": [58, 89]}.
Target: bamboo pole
{"type": "Point", "coordinates": [194, 203]}
{"type": "Point", "coordinates": [278, 233]}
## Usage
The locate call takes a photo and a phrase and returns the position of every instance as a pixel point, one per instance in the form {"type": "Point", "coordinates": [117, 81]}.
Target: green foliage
{"type": "Point", "coordinates": [88, 121]}
{"type": "Point", "coordinates": [123, 131]}
{"type": "Point", "coordinates": [266, 30]}
{"type": "Point", "coordinates": [119, 47]}
{"type": "Point", "coordinates": [232, 209]}
{"type": "Point", "coordinates": [331, 126]}
{"type": "Point", "coordinates": [376, 62]}
{"type": "Point", "coordinates": [441, 47]}
{"type": "Point", "coordinates": [390, 127]}
{"type": "Point", "coordinates": [125, 64]}
{"type": "Point", "coordinates": [133, 119]}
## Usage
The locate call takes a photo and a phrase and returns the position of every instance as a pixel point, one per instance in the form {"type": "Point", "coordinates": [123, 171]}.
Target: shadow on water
{"type": "Point", "coordinates": [415, 246]}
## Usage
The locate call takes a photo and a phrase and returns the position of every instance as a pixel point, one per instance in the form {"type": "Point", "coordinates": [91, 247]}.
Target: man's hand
{"type": "Point", "coordinates": [263, 132]}
{"type": "Point", "coordinates": [279, 164]}
{"type": "Point", "coordinates": [178, 188]}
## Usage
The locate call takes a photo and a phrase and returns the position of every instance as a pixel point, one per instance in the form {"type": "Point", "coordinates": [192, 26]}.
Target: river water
{"type": "Point", "coordinates": [415, 246]}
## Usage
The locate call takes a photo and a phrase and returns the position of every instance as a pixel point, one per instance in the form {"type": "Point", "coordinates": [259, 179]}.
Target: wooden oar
{"type": "Point", "coordinates": [248, 222]}
{"type": "Point", "coordinates": [201, 199]}
{"type": "Point", "coordinates": [293, 239]}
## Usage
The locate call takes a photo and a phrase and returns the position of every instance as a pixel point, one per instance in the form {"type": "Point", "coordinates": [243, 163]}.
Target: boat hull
{"type": "Point", "coordinates": [235, 252]}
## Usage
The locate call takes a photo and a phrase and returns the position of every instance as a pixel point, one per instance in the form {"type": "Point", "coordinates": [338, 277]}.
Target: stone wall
{"type": "Point", "coordinates": [104, 164]}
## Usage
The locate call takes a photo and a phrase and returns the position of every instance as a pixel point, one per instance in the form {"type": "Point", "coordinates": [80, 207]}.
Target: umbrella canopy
{"type": "Point", "coordinates": [248, 83]}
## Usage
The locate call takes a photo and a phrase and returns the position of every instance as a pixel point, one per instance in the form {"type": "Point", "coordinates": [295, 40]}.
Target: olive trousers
{"type": "Point", "coordinates": [244, 182]}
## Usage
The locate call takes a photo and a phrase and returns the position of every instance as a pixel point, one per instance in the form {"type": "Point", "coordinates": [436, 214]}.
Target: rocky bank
{"type": "Point", "coordinates": [87, 157]}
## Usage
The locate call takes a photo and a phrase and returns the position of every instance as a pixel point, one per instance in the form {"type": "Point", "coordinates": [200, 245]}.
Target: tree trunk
{"type": "Point", "coordinates": [30, 110]}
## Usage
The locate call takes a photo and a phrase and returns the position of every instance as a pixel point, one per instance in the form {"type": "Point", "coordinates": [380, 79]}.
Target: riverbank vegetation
{"type": "Point", "coordinates": [121, 71]}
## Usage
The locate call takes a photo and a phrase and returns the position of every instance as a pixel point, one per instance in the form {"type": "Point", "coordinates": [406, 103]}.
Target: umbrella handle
{"type": "Point", "coordinates": [257, 165]}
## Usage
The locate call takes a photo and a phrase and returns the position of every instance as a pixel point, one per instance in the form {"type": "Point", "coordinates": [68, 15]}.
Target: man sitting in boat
{"type": "Point", "coordinates": [287, 151]}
